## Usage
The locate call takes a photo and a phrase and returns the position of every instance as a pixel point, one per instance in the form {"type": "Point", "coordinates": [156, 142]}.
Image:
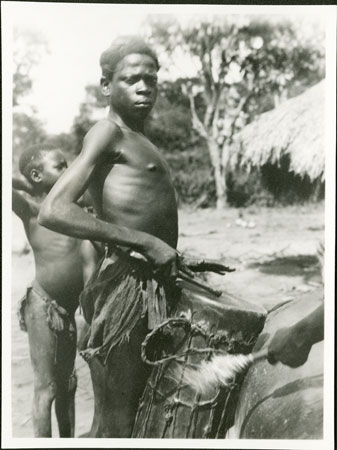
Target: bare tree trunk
{"type": "Point", "coordinates": [215, 150]}
{"type": "Point", "coordinates": [219, 174]}
{"type": "Point", "coordinates": [277, 100]}
{"type": "Point", "coordinates": [280, 97]}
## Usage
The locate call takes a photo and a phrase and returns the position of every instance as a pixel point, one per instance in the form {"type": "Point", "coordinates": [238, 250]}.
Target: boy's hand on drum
{"type": "Point", "coordinates": [168, 263]}
{"type": "Point", "coordinates": [290, 346]}
{"type": "Point", "coordinates": [163, 258]}
{"type": "Point", "coordinates": [183, 266]}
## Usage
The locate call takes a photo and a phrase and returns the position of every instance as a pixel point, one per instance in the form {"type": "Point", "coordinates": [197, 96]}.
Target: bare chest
{"type": "Point", "coordinates": [137, 152]}
{"type": "Point", "coordinates": [132, 170]}
{"type": "Point", "coordinates": [134, 188]}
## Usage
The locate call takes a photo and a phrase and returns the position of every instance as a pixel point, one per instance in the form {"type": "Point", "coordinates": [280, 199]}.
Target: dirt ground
{"type": "Point", "coordinates": [273, 251]}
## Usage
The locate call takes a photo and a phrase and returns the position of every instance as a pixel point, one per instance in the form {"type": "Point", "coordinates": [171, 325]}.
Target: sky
{"type": "Point", "coordinates": [77, 34]}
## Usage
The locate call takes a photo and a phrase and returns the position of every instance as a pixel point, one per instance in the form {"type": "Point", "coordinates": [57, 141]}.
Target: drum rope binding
{"type": "Point", "coordinates": [233, 342]}
{"type": "Point", "coordinates": [195, 329]}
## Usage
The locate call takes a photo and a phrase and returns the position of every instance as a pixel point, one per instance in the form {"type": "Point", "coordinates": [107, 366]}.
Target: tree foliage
{"type": "Point", "coordinates": [91, 109]}
{"type": "Point", "coordinates": [170, 129]}
{"type": "Point", "coordinates": [65, 142]}
{"type": "Point", "coordinates": [27, 130]}
{"type": "Point", "coordinates": [29, 49]}
{"type": "Point", "coordinates": [232, 69]}
{"type": "Point", "coordinates": [236, 62]}
{"type": "Point", "coordinates": [169, 126]}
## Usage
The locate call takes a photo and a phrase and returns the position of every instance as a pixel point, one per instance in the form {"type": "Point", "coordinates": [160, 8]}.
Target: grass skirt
{"type": "Point", "coordinates": [121, 291]}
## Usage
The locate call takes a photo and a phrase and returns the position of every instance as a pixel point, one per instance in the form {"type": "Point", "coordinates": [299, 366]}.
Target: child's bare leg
{"type": "Point", "coordinates": [42, 344]}
{"type": "Point", "coordinates": [66, 383]}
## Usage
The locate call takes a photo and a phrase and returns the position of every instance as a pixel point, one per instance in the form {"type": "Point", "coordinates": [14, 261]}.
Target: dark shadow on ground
{"type": "Point", "coordinates": [291, 266]}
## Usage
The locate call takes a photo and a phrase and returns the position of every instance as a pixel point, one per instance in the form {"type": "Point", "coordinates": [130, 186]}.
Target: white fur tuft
{"type": "Point", "coordinates": [219, 371]}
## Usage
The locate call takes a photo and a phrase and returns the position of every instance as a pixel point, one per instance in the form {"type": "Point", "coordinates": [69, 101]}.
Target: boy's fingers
{"type": "Point", "coordinates": [216, 266]}
{"type": "Point", "coordinates": [187, 271]}
{"type": "Point", "coordinates": [205, 265]}
{"type": "Point", "coordinates": [183, 265]}
{"type": "Point", "coordinates": [184, 268]}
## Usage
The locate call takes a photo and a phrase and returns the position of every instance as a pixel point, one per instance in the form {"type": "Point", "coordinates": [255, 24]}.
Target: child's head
{"type": "Point", "coordinates": [129, 77]}
{"type": "Point", "coordinates": [42, 165]}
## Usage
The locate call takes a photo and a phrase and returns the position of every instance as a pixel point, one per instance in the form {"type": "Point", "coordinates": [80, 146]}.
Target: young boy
{"type": "Point", "coordinates": [133, 194]}
{"type": "Point", "coordinates": [47, 310]}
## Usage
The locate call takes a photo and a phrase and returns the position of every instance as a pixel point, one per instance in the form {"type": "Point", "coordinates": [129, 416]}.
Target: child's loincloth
{"type": "Point", "coordinates": [120, 293]}
{"type": "Point", "coordinates": [58, 321]}
{"type": "Point", "coordinates": [57, 317]}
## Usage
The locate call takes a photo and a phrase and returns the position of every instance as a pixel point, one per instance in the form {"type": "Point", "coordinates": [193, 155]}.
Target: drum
{"type": "Point", "coordinates": [277, 401]}
{"type": "Point", "coordinates": [202, 325]}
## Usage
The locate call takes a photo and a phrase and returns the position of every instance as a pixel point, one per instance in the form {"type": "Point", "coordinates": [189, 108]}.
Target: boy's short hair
{"type": "Point", "coordinates": [121, 47]}
{"type": "Point", "coordinates": [32, 156]}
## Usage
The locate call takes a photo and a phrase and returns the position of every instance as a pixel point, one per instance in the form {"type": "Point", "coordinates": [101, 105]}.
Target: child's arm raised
{"type": "Point", "coordinates": [22, 207]}
{"type": "Point", "coordinates": [21, 184]}
{"type": "Point", "coordinates": [60, 212]}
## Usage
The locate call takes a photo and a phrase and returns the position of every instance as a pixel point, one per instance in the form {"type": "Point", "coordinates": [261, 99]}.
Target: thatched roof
{"type": "Point", "coordinates": [295, 128]}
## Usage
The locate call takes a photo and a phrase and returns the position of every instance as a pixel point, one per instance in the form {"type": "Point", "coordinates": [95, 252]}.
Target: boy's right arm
{"type": "Point", "coordinates": [60, 212]}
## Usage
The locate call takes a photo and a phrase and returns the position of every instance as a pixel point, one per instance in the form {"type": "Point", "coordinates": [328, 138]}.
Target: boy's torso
{"type": "Point", "coordinates": [134, 189]}
{"type": "Point", "coordinates": [58, 263]}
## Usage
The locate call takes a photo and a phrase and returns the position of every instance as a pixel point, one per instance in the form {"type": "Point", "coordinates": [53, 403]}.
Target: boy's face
{"type": "Point", "coordinates": [53, 164]}
{"type": "Point", "coordinates": [133, 88]}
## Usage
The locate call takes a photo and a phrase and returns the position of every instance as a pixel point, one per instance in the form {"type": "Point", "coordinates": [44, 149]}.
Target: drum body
{"type": "Point", "coordinates": [202, 325]}
{"type": "Point", "coordinates": [277, 401]}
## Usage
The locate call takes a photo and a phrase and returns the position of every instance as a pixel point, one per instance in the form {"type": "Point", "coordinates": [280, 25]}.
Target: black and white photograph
{"type": "Point", "coordinates": [168, 225]}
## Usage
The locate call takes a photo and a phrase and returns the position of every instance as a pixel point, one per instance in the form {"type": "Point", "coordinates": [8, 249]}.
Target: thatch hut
{"type": "Point", "coordinates": [294, 130]}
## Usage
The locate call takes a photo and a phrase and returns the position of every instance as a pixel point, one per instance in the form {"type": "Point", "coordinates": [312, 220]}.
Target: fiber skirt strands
{"type": "Point", "coordinates": [200, 326]}
{"type": "Point", "coordinates": [121, 291]}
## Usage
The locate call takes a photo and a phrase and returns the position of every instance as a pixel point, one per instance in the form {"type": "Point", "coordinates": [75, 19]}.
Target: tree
{"type": "Point", "coordinates": [27, 131]}
{"type": "Point", "coordinates": [65, 142]}
{"type": "Point", "coordinates": [29, 49]}
{"type": "Point", "coordinates": [237, 62]}
{"type": "Point", "coordinates": [91, 110]}
{"type": "Point", "coordinates": [169, 126]}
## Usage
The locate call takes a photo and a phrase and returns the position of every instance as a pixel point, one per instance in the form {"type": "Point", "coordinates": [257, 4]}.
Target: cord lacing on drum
{"type": "Point", "coordinates": [217, 342]}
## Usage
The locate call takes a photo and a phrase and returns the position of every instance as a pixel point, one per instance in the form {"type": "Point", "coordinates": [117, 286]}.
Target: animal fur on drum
{"type": "Point", "coordinates": [219, 371]}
